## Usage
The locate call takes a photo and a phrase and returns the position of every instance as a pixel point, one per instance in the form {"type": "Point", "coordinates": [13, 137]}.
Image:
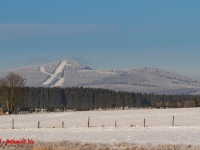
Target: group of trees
{"type": "Point", "coordinates": [79, 98]}
{"type": "Point", "coordinates": [11, 91]}
{"type": "Point", "coordinates": [14, 94]}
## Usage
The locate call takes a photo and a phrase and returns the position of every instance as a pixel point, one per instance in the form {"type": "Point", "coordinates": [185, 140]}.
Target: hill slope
{"type": "Point", "coordinates": [70, 73]}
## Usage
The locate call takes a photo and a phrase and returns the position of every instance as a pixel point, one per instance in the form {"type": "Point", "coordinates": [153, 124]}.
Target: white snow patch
{"type": "Point", "coordinates": [42, 69]}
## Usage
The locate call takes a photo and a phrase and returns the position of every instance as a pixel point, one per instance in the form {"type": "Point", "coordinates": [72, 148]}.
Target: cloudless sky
{"type": "Point", "coordinates": [103, 34]}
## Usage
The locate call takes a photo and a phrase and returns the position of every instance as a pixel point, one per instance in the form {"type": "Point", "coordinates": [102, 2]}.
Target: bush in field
{"type": "Point", "coordinates": [62, 108]}
{"type": "Point", "coordinates": [50, 109]}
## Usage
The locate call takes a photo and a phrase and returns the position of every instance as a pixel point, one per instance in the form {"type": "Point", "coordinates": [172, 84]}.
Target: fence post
{"type": "Point", "coordinates": [88, 122]}
{"type": "Point", "coordinates": [63, 124]}
{"type": "Point", "coordinates": [115, 124]}
{"type": "Point", "coordinates": [144, 123]}
{"type": "Point", "coordinates": [173, 121]}
{"type": "Point", "coordinates": [38, 124]}
{"type": "Point", "coordinates": [12, 124]}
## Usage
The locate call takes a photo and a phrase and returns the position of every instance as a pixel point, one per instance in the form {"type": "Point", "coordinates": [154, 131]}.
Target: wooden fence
{"type": "Point", "coordinates": [88, 124]}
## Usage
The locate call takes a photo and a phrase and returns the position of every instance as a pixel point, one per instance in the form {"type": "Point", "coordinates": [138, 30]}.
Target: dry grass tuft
{"type": "Point", "coordinates": [42, 148]}
{"type": "Point", "coordinates": [51, 127]}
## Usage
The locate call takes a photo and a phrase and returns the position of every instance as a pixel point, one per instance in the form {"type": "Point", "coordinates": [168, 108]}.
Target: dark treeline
{"type": "Point", "coordinates": [79, 98]}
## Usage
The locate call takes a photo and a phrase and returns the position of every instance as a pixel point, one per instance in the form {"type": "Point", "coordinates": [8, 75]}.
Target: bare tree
{"type": "Point", "coordinates": [11, 91]}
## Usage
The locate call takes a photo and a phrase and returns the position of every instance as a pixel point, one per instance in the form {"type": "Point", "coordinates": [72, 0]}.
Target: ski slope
{"type": "Point", "coordinates": [58, 71]}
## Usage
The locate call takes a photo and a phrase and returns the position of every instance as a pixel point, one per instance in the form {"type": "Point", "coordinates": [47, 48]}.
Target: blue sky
{"type": "Point", "coordinates": [108, 34]}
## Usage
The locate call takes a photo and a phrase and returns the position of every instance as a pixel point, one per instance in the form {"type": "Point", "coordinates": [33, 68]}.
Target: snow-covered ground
{"type": "Point", "coordinates": [158, 128]}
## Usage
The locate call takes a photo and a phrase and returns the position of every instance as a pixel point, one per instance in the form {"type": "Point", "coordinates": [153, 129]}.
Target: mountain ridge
{"type": "Point", "coordinates": [71, 73]}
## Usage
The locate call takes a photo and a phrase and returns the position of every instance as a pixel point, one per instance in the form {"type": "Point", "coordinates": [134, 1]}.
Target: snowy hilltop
{"type": "Point", "coordinates": [70, 73]}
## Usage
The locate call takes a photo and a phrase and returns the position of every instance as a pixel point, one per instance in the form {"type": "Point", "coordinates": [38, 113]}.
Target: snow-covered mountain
{"type": "Point", "coordinates": [70, 73]}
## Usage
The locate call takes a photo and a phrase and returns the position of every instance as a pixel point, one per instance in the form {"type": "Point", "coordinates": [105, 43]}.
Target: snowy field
{"type": "Point", "coordinates": [130, 126]}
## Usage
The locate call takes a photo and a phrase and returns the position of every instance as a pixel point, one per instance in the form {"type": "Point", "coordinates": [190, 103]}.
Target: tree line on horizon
{"type": "Point", "coordinates": [83, 99]}
{"type": "Point", "coordinates": [14, 95]}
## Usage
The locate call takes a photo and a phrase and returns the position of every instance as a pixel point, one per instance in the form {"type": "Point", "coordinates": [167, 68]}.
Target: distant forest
{"type": "Point", "coordinates": [81, 99]}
